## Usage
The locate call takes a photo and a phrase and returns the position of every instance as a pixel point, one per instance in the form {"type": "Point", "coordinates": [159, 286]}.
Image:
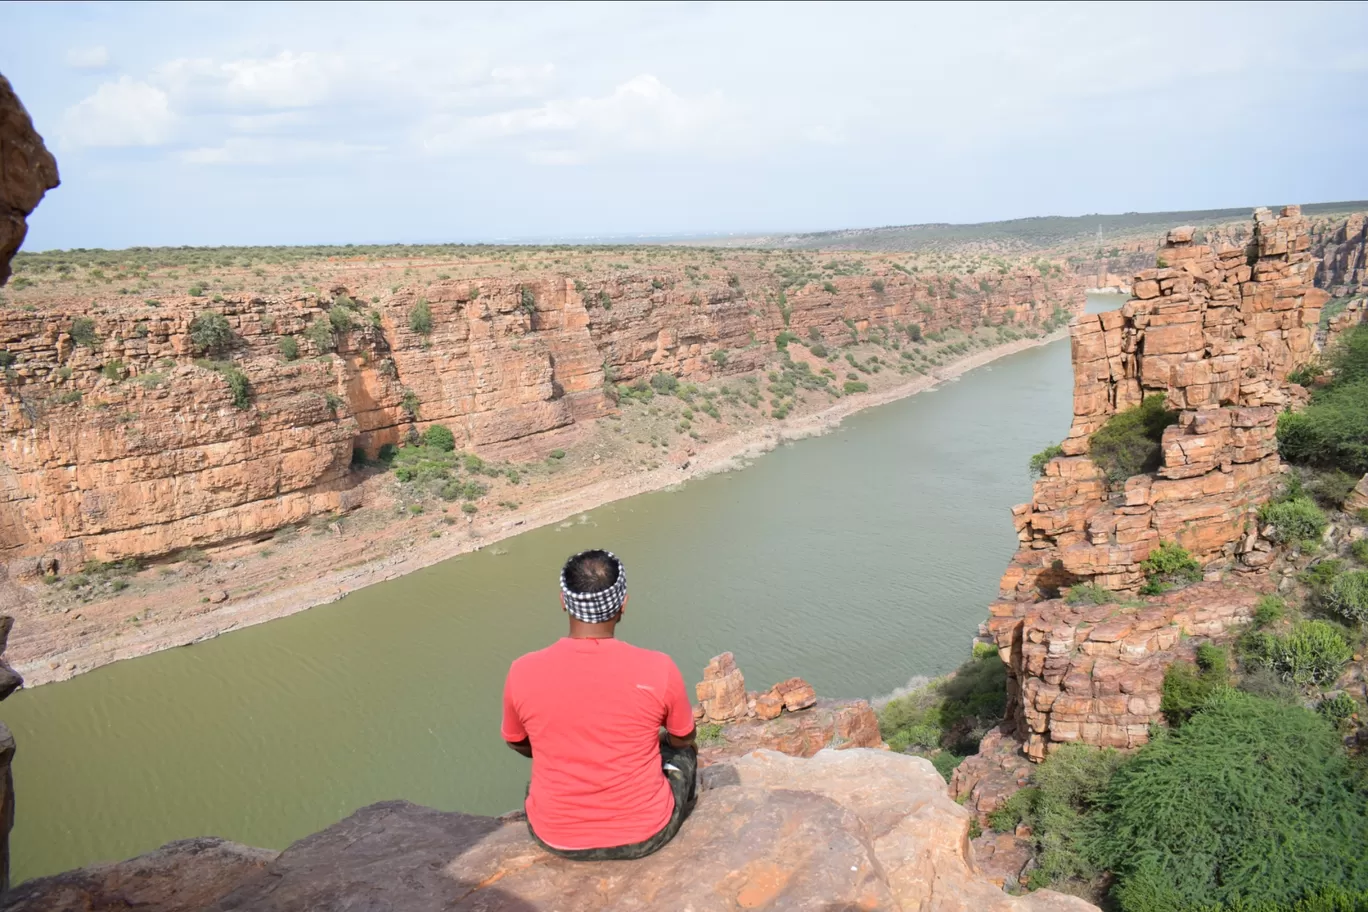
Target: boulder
{"type": "Point", "coordinates": [796, 693]}
{"type": "Point", "coordinates": [843, 830]}
{"type": "Point", "coordinates": [27, 171]}
{"type": "Point", "coordinates": [722, 692]}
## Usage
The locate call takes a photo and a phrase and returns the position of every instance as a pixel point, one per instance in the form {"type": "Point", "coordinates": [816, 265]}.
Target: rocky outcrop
{"type": "Point", "coordinates": [1342, 246]}
{"type": "Point", "coordinates": [856, 829]}
{"type": "Point", "coordinates": [1216, 331]}
{"type": "Point", "coordinates": [122, 435]}
{"type": "Point", "coordinates": [1094, 674]}
{"type": "Point", "coordinates": [789, 717]}
{"type": "Point", "coordinates": [27, 171]}
{"type": "Point", "coordinates": [183, 876]}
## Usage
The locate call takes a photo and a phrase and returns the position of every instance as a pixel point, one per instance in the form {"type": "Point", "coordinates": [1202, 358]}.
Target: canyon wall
{"type": "Point", "coordinates": [1216, 331]}
{"type": "Point", "coordinates": [121, 435]}
{"type": "Point", "coordinates": [1342, 247]}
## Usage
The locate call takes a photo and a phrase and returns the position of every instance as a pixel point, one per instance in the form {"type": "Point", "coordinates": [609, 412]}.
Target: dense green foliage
{"type": "Point", "coordinates": [289, 347]}
{"type": "Point", "coordinates": [665, 384]}
{"type": "Point", "coordinates": [1347, 596]}
{"type": "Point", "coordinates": [1332, 432]}
{"type": "Point", "coordinates": [1167, 566]}
{"type": "Point", "coordinates": [951, 714]}
{"type": "Point", "coordinates": [440, 437]}
{"type": "Point", "coordinates": [1314, 652]}
{"type": "Point", "coordinates": [1187, 687]}
{"type": "Point", "coordinates": [1089, 594]}
{"type": "Point", "coordinates": [1039, 459]}
{"type": "Point", "coordinates": [210, 333]}
{"type": "Point", "coordinates": [1251, 800]}
{"type": "Point", "coordinates": [320, 333]}
{"type": "Point", "coordinates": [1128, 444]}
{"type": "Point", "coordinates": [1294, 518]}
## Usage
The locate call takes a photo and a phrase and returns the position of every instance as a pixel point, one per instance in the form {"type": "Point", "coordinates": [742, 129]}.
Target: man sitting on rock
{"type": "Point", "coordinates": [607, 783]}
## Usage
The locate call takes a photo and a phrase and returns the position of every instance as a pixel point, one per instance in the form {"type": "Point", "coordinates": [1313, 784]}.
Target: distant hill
{"type": "Point", "coordinates": [1040, 232]}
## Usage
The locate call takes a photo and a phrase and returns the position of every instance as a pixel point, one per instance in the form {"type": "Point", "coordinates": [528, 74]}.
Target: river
{"type": "Point", "coordinates": [857, 560]}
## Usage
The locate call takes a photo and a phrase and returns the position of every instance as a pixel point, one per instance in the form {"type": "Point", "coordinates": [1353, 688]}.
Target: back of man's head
{"type": "Point", "coordinates": [593, 586]}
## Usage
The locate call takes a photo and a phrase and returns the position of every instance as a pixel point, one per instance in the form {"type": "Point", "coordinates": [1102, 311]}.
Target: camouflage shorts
{"type": "Point", "coordinates": [681, 769]}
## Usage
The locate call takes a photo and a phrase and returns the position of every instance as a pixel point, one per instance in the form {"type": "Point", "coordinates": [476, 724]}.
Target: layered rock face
{"type": "Point", "coordinates": [1216, 331]}
{"type": "Point", "coordinates": [1342, 246]}
{"type": "Point", "coordinates": [857, 829]}
{"type": "Point", "coordinates": [27, 171]}
{"type": "Point", "coordinates": [121, 435]}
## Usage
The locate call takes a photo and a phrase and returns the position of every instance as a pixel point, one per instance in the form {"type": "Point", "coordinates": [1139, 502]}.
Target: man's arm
{"type": "Point", "coordinates": [524, 746]}
{"type": "Point", "coordinates": [676, 742]}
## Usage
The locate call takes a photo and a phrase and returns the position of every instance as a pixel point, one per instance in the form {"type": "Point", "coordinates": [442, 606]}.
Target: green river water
{"type": "Point", "coordinates": [857, 560]}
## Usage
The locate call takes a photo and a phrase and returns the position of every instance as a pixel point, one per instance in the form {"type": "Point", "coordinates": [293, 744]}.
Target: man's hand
{"type": "Point", "coordinates": [687, 741]}
{"type": "Point", "coordinates": [523, 747]}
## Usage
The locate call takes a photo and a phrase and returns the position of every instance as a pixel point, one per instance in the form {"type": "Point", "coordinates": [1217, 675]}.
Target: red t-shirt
{"type": "Point", "coordinates": [593, 710]}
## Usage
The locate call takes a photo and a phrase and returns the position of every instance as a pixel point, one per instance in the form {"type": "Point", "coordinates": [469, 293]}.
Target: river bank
{"type": "Point", "coordinates": [380, 550]}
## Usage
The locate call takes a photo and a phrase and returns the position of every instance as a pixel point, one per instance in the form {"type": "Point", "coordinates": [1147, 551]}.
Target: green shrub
{"type": "Point", "coordinates": [235, 378]}
{"type": "Point", "coordinates": [527, 301]}
{"type": "Point", "coordinates": [1313, 653]}
{"type": "Point", "coordinates": [1347, 596]}
{"type": "Point", "coordinates": [782, 340]}
{"type": "Point", "coordinates": [1331, 489]}
{"type": "Point", "coordinates": [114, 370]}
{"type": "Point", "coordinates": [855, 386]}
{"type": "Point", "coordinates": [1039, 460]}
{"type": "Point", "coordinates": [1089, 594]}
{"type": "Point", "coordinates": [1269, 610]}
{"type": "Point", "coordinates": [334, 401]}
{"type": "Point", "coordinates": [665, 384]}
{"type": "Point", "coordinates": [1013, 812]}
{"type": "Point", "coordinates": [557, 454]}
{"type": "Point", "coordinates": [1251, 800]}
{"type": "Point", "coordinates": [410, 403]}
{"type": "Point", "coordinates": [1186, 687]}
{"type": "Point", "coordinates": [945, 763]}
{"type": "Point", "coordinates": [196, 291]}
{"type": "Point", "coordinates": [440, 437]}
{"type": "Point", "coordinates": [818, 349]}
{"type": "Point", "coordinates": [1337, 709]}
{"type": "Point", "coordinates": [719, 357]}
{"type": "Point", "coordinates": [710, 733]}
{"type": "Point", "coordinates": [877, 285]}
{"type": "Point", "coordinates": [289, 347]}
{"type": "Point", "coordinates": [953, 713]}
{"type": "Point", "coordinates": [1129, 443]}
{"type": "Point", "coordinates": [1321, 574]}
{"type": "Point", "coordinates": [1167, 566]}
{"type": "Point", "coordinates": [420, 317]}
{"type": "Point", "coordinates": [1360, 550]}
{"type": "Point", "coordinates": [1294, 519]}
{"type": "Point", "coordinates": [210, 333]}
{"type": "Point", "coordinates": [829, 288]}
{"type": "Point", "coordinates": [6, 359]}
{"type": "Point", "coordinates": [1068, 787]}
{"type": "Point", "coordinates": [341, 318]}
{"type": "Point", "coordinates": [320, 333]}
{"type": "Point", "coordinates": [469, 508]}
{"type": "Point", "coordinates": [83, 332]}
{"type": "Point", "coordinates": [1332, 432]}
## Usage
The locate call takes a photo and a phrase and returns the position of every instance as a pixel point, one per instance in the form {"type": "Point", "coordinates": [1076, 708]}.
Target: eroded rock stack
{"type": "Point", "coordinates": [1216, 331]}
{"type": "Point", "coordinates": [27, 172]}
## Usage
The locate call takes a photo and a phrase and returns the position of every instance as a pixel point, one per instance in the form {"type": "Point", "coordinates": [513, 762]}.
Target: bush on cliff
{"type": "Point", "coordinates": [1250, 801]}
{"type": "Point", "coordinates": [1347, 596]}
{"type": "Point", "coordinates": [1332, 432]}
{"type": "Point", "coordinates": [1294, 518]}
{"type": "Point", "coordinates": [1187, 687]}
{"type": "Point", "coordinates": [1314, 652]}
{"type": "Point", "coordinates": [1129, 443]}
{"type": "Point", "coordinates": [289, 347]}
{"type": "Point", "coordinates": [236, 379]}
{"type": "Point", "coordinates": [420, 317]}
{"type": "Point", "coordinates": [83, 332]}
{"type": "Point", "coordinates": [210, 333]}
{"type": "Point", "coordinates": [1167, 566]}
{"type": "Point", "coordinates": [1039, 460]}
{"type": "Point", "coordinates": [950, 714]}
{"type": "Point", "coordinates": [439, 436]}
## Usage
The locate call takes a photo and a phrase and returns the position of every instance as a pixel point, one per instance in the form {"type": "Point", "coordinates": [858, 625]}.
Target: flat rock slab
{"type": "Point", "coordinates": [855, 829]}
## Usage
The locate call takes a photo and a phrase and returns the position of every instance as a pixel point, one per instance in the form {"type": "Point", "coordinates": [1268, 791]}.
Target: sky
{"type": "Point", "coordinates": [228, 123]}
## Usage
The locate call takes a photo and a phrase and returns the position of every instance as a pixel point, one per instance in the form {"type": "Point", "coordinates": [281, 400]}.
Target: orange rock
{"type": "Point", "coordinates": [796, 693]}
{"type": "Point", "coordinates": [769, 705]}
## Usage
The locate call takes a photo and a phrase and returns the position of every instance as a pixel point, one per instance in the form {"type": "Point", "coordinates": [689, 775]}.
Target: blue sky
{"type": "Point", "coordinates": [218, 123]}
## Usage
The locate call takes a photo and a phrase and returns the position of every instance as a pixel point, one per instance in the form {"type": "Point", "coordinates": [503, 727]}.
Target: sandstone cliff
{"type": "Point", "coordinates": [124, 432]}
{"type": "Point", "coordinates": [1342, 247]}
{"type": "Point", "coordinates": [27, 171]}
{"type": "Point", "coordinates": [1216, 331]}
{"type": "Point", "coordinates": [856, 829]}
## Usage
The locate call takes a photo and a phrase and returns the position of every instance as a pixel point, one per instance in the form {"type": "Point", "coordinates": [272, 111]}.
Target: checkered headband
{"type": "Point", "coordinates": [595, 607]}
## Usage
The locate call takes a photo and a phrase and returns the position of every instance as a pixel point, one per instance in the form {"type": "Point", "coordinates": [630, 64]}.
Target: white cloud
{"type": "Point", "coordinates": [257, 150]}
{"type": "Point", "coordinates": [88, 58]}
{"type": "Point", "coordinates": [287, 80]}
{"type": "Point", "coordinates": [122, 113]}
{"type": "Point", "coordinates": [640, 115]}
